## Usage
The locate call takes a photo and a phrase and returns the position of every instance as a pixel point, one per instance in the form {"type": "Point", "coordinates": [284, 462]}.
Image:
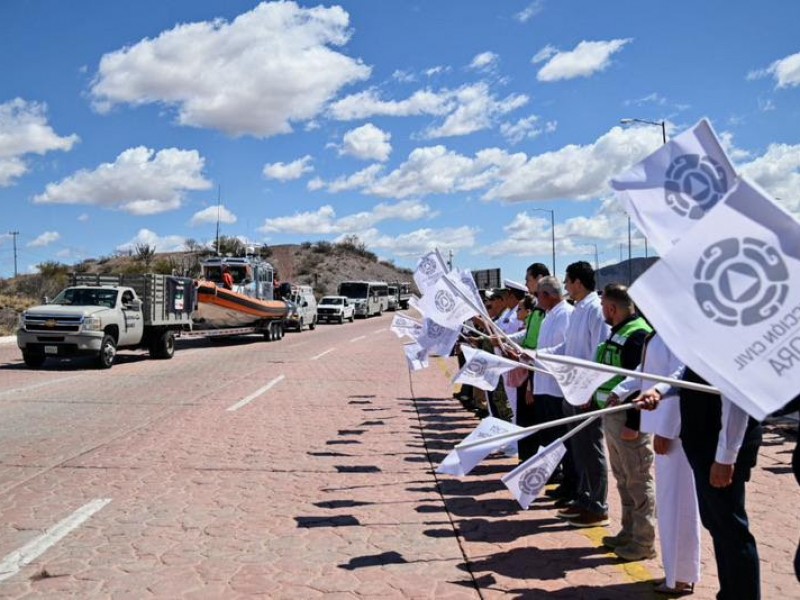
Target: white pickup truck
{"type": "Point", "coordinates": [98, 314]}
{"type": "Point", "coordinates": [335, 308]}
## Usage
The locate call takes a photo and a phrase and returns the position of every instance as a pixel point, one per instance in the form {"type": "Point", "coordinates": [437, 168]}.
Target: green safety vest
{"type": "Point", "coordinates": [532, 327]}
{"type": "Point", "coordinates": [610, 353]}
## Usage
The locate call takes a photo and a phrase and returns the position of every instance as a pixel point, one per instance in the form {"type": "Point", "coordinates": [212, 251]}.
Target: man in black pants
{"type": "Point", "coordinates": [721, 443]}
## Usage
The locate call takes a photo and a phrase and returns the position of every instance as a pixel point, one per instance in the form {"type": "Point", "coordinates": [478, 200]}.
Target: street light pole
{"type": "Point", "coordinates": [552, 234]}
{"type": "Point", "coordinates": [663, 125]}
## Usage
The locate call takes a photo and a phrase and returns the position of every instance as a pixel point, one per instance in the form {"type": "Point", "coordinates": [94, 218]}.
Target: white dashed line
{"type": "Point", "coordinates": [37, 385]}
{"type": "Point", "coordinates": [355, 339]}
{"type": "Point", "coordinates": [256, 394]}
{"type": "Point", "coordinates": [12, 563]}
{"type": "Point", "coordinates": [321, 354]}
{"type": "Point", "coordinates": [379, 330]}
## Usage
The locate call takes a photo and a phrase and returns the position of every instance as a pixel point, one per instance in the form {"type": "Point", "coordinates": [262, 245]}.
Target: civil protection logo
{"type": "Point", "coordinates": [444, 301]}
{"type": "Point", "coordinates": [564, 374]}
{"type": "Point", "coordinates": [534, 479]}
{"type": "Point", "coordinates": [693, 184]}
{"type": "Point", "coordinates": [427, 265]}
{"type": "Point", "coordinates": [477, 366]}
{"type": "Point", "coordinates": [434, 329]}
{"type": "Point", "coordinates": [740, 282]}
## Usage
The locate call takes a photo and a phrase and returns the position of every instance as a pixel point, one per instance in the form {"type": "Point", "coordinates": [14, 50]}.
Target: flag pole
{"type": "Point", "coordinates": [588, 364]}
{"type": "Point", "coordinates": [521, 433]}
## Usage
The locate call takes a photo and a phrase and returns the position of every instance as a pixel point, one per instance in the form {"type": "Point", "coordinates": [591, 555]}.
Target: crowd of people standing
{"type": "Point", "coordinates": [680, 458]}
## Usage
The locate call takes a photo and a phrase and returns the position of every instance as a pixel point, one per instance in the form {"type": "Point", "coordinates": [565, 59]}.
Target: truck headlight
{"type": "Point", "coordinates": [21, 321]}
{"type": "Point", "coordinates": [92, 324]}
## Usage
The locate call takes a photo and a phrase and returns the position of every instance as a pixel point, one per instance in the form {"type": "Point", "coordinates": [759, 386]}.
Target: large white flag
{"type": "Point", "coordinates": [403, 326]}
{"type": "Point", "coordinates": [469, 285]}
{"type": "Point", "coordinates": [726, 300]}
{"type": "Point", "coordinates": [429, 268]}
{"type": "Point", "coordinates": [460, 463]}
{"type": "Point", "coordinates": [483, 369]}
{"type": "Point", "coordinates": [444, 302]}
{"type": "Point", "coordinates": [527, 480]}
{"type": "Point", "coordinates": [671, 190]}
{"type": "Point", "coordinates": [416, 356]}
{"type": "Point", "coordinates": [576, 383]}
{"type": "Point", "coordinates": [437, 340]}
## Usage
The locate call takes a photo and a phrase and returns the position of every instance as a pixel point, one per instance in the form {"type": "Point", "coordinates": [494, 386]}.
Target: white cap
{"type": "Point", "coordinates": [513, 285]}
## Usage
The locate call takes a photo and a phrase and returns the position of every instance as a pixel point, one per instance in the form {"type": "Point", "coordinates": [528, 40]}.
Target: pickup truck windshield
{"type": "Point", "coordinates": [332, 301]}
{"type": "Point", "coordinates": [87, 297]}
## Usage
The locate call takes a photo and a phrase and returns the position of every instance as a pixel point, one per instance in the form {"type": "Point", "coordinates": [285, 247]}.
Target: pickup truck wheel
{"type": "Point", "coordinates": [341, 319]}
{"type": "Point", "coordinates": [352, 318]}
{"type": "Point", "coordinates": [34, 361]}
{"type": "Point", "coordinates": [313, 324]}
{"type": "Point", "coordinates": [165, 346]}
{"type": "Point", "coordinates": [108, 350]}
{"type": "Point", "coordinates": [301, 324]}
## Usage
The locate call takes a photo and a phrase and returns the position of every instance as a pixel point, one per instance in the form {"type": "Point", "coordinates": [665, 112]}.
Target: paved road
{"type": "Point", "coordinates": [297, 469]}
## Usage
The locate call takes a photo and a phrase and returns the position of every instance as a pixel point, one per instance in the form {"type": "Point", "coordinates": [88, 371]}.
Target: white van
{"type": "Point", "coordinates": [302, 308]}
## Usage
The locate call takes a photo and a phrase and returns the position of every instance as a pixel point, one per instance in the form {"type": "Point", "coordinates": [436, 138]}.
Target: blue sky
{"type": "Point", "coordinates": [410, 124]}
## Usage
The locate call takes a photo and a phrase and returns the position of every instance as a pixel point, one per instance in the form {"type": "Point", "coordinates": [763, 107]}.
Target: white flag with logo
{"type": "Point", "coordinates": [726, 300]}
{"type": "Point", "coordinates": [468, 284]}
{"type": "Point", "coordinates": [429, 268]}
{"type": "Point", "coordinates": [483, 369]}
{"type": "Point", "coordinates": [437, 340]}
{"type": "Point", "coordinates": [403, 326]}
{"type": "Point", "coordinates": [444, 302]}
{"type": "Point", "coordinates": [460, 463]}
{"type": "Point", "coordinates": [416, 356]}
{"type": "Point", "coordinates": [671, 190]}
{"type": "Point", "coordinates": [527, 480]}
{"type": "Point", "coordinates": [576, 383]}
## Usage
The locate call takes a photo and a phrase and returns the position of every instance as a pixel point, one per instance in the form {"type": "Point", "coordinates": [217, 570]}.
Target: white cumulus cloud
{"type": "Point", "coordinates": [324, 221]}
{"type": "Point", "coordinates": [288, 171]}
{"type": "Point", "coordinates": [368, 103]}
{"type": "Point", "coordinates": [420, 241]}
{"type": "Point", "coordinates": [476, 108]}
{"type": "Point", "coordinates": [530, 11]}
{"type": "Point", "coordinates": [169, 243]}
{"type": "Point", "coordinates": [45, 239]}
{"type": "Point", "coordinates": [484, 60]}
{"type": "Point", "coordinates": [584, 60]}
{"type": "Point", "coordinates": [778, 172]}
{"type": "Point", "coordinates": [213, 214]}
{"type": "Point", "coordinates": [256, 75]}
{"type": "Point", "coordinates": [24, 130]}
{"type": "Point", "coordinates": [367, 143]}
{"type": "Point", "coordinates": [140, 181]}
{"type": "Point", "coordinates": [785, 71]}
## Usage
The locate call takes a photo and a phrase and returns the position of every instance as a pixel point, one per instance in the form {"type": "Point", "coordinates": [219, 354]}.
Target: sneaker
{"type": "Point", "coordinates": [562, 502]}
{"type": "Point", "coordinates": [633, 552]}
{"type": "Point", "coordinates": [570, 511]}
{"type": "Point", "coordinates": [615, 541]}
{"type": "Point", "coordinates": [589, 519]}
{"type": "Point", "coordinates": [554, 492]}
{"type": "Point", "coordinates": [481, 413]}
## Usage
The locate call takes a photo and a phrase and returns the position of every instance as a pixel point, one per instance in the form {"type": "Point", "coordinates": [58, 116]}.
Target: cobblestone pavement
{"type": "Point", "coordinates": [295, 469]}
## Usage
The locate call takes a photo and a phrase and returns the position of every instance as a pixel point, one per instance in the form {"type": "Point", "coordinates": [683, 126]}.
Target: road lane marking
{"type": "Point", "coordinates": [12, 563]}
{"type": "Point", "coordinates": [256, 394]}
{"type": "Point", "coordinates": [380, 330]}
{"type": "Point", "coordinates": [321, 354]}
{"type": "Point", "coordinates": [355, 339]}
{"type": "Point", "coordinates": [38, 385]}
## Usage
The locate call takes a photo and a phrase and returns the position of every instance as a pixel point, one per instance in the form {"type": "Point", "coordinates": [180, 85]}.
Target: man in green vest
{"type": "Point", "coordinates": [630, 457]}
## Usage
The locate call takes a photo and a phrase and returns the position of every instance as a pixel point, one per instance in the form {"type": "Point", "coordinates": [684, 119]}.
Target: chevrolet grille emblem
{"type": "Point", "coordinates": [50, 323]}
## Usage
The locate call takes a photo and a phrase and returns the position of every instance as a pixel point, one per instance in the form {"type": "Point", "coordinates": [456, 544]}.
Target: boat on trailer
{"type": "Point", "coordinates": [251, 302]}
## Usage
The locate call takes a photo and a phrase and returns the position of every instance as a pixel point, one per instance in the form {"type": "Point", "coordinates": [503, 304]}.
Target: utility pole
{"type": "Point", "coordinates": [219, 196]}
{"type": "Point", "coordinates": [14, 235]}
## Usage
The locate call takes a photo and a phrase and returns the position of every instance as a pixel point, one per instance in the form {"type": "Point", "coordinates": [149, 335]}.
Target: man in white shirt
{"type": "Point", "coordinates": [547, 396]}
{"type": "Point", "coordinates": [586, 331]}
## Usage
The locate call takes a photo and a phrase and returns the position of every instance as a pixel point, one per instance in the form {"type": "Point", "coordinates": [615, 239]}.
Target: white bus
{"type": "Point", "coordinates": [367, 296]}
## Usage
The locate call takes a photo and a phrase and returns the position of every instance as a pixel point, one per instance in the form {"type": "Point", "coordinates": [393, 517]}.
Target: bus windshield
{"type": "Point", "coordinates": [353, 289]}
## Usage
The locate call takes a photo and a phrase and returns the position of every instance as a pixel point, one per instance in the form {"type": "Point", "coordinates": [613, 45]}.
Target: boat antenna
{"type": "Point", "coordinates": [219, 195]}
